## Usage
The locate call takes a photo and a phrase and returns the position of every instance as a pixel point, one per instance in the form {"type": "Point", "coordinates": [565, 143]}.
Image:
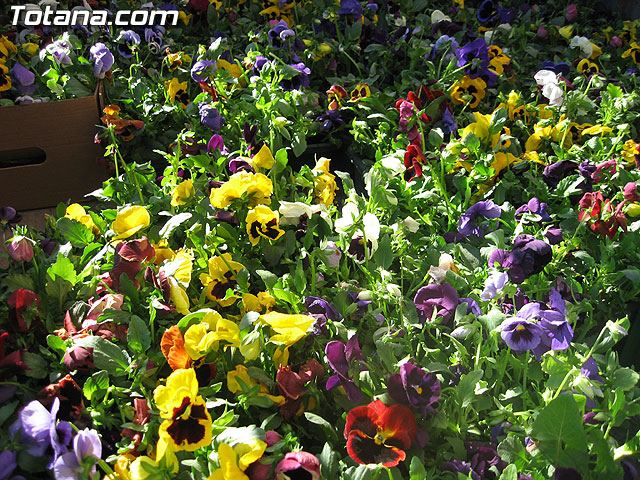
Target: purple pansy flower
{"type": "Point", "coordinates": [552, 174]}
{"type": "Point", "coordinates": [60, 50]}
{"type": "Point", "coordinates": [216, 142]}
{"type": "Point", "coordinates": [472, 306]}
{"type": "Point", "coordinates": [202, 70]}
{"type": "Point", "coordinates": [443, 298]}
{"type": "Point", "coordinates": [350, 7]}
{"type": "Point", "coordinates": [210, 117]}
{"type": "Point", "coordinates": [345, 360]}
{"type": "Point", "coordinates": [40, 432]}
{"type": "Point", "coordinates": [9, 216]}
{"type": "Point", "coordinates": [279, 33]}
{"type": "Point", "coordinates": [520, 334]}
{"type": "Point", "coordinates": [483, 209]}
{"type": "Point", "coordinates": [240, 164]}
{"type": "Point", "coordinates": [536, 207]}
{"type": "Point", "coordinates": [415, 388]}
{"type": "Point", "coordinates": [24, 79]}
{"type": "Point", "coordinates": [87, 448]}
{"type": "Point", "coordinates": [299, 80]}
{"type": "Point", "coordinates": [103, 59]}
{"type": "Point", "coordinates": [528, 257]}
{"type": "Point", "coordinates": [127, 41]}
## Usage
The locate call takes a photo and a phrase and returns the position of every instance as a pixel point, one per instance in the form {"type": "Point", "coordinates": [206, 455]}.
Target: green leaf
{"type": "Point", "coordinates": [15, 281]}
{"type": "Point", "coordinates": [318, 420]}
{"type": "Point", "coordinates": [614, 91]}
{"type": "Point", "coordinates": [436, 137]}
{"type": "Point", "coordinates": [7, 410]}
{"type": "Point", "coordinates": [511, 450]}
{"type": "Point", "coordinates": [57, 344]}
{"type": "Point", "coordinates": [173, 223]}
{"type": "Point", "coordinates": [63, 269]}
{"type": "Point", "coordinates": [298, 144]}
{"type": "Point", "coordinates": [625, 379]}
{"type": "Point", "coordinates": [107, 355]}
{"type": "Point", "coordinates": [37, 366]}
{"type": "Point", "coordinates": [417, 470]}
{"type": "Point", "coordinates": [467, 386]}
{"type": "Point", "coordinates": [329, 462]}
{"type": "Point", "coordinates": [96, 383]}
{"type": "Point", "coordinates": [559, 431]}
{"type": "Point", "coordinates": [509, 473]}
{"type": "Point", "coordinates": [384, 255]}
{"type": "Point", "coordinates": [385, 352]}
{"type": "Point", "coordinates": [138, 335]}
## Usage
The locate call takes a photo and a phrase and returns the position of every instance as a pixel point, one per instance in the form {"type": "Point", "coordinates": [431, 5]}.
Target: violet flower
{"type": "Point", "coordinates": [40, 432]}
{"type": "Point", "coordinates": [345, 360]}
{"type": "Point", "coordinates": [210, 117]}
{"type": "Point", "coordinates": [87, 450]}
{"type": "Point", "coordinates": [443, 298]}
{"type": "Point", "coordinates": [127, 42]}
{"type": "Point", "coordinates": [415, 388]}
{"type": "Point", "coordinates": [528, 257]}
{"type": "Point", "coordinates": [536, 207]}
{"type": "Point", "coordinates": [279, 34]}
{"type": "Point", "coordinates": [299, 80]}
{"type": "Point", "coordinates": [103, 59]}
{"type": "Point", "coordinates": [350, 7]}
{"type": "Point", "coordinates": [482, 209]}
{"type": "Point", "coordinates": [202, 70]}
{"type": "Point", "coordinates": [630, 193]}
{"type": "Point", "coordinates": [9, 216]}
{"type": "Point", "coordinates": [493, 285]}
{"type": "Point", "coordinates": [319, 308]}
{"type": "Point", "coordinates": [555, 172]}
{"type": "Point", "coordinates": [24, 79]}
{"type": "Point", "coordinates": [521, 335]}
{"type": "Point", "coordinates": [60, 50]}
{"type": "Point", "coordinates": [216, 142]}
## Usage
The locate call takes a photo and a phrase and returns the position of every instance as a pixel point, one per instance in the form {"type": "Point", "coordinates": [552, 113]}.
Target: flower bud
{"type": "Point", "coordinates": [571, 13]}
{"type": "Point", "coordinates": [333, 254]}
{"type": "Point", "coordinates": [21, 249]}
{"type": "Point", "coordinates": [615, 42]}
{"type": "Point", "coordinates": [542, 33]}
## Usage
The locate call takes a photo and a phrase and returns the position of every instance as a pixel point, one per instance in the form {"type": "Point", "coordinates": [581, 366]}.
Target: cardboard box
{"type": "Point", "coordinates": [48, 154]}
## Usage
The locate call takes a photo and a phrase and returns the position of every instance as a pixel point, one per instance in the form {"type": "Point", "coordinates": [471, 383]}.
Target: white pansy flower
{"type": "Point", "coordinates": [548, 80]}
{"type": "Point", "coordinates": [583, 43]}
{"type": "Point", "coordinates": [290, 212]}
{"type": "Point", "coordinates": [411, 224]}
{"type": "Point", "coordinates": [437, 16]}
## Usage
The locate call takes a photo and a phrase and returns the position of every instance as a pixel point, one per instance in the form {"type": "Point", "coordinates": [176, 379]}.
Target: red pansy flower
{"type": "Point", "coordinates": [379, 434]}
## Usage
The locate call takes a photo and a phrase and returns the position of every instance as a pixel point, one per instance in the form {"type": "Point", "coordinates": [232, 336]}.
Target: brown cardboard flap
{"type": "Point", "coordinates": [64, 131]}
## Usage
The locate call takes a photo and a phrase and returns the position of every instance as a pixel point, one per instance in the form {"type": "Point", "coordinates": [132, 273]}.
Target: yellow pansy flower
{"type": "Point", "coordinates": [5, 78]}
{"type": "Point", "coordinates": [289, 327]}
{"type": "Point", "coordinates": [205, 336]}
{"type": "Point", "coordinates": [566, 32]}
{"type": "Point", "coordinates": [468, 91]}
{"type": "Point", "coordinates": [263, 159]}
{"type": "Point", "coordinates": [240, 374]}
{"type": "Point", "coordinates": [75, 211]}
{"type": "Point", "coordinates": [633, 52]}
{"type": "Point", "coordinates": [182, 193]}
{"type": "Point", "coordinates": [177, 90]}
{"type": "Point", "coordinates": [129, 221]}
{"type": "Point", "coordinates": [221, 277]}
{"type": "Point", "coordinates": [187, 423]}
{"type": "Point", "coordinates": [257, 186]}
{"type": "Point", "coordinates": [629, 152]}
{"type": "Point", "coordinates": [502, 160]}
{"type": "Point", "coordinates": [263, 222]}
{"type": "Point", "coordinates": [324, 182]}
{"type": "Point", "coordinates": [163, 252]}
{"type": "Point", "coordinates": [235, 460]}
{"type": "Point", "coordinates": [178, 296]}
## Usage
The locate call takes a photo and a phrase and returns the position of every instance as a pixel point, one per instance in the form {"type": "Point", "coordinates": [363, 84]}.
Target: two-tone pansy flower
{"type": "Point", "coordinates": [379, 434]}
{"type": "Point", "coordinates": [221, 277]}
{"type": "Point", "coordinates": [468, 91]}
{"type": "Point", "coordinates": [177, 91]}
{"type": "Point", "coordinates": [262, 222]}
{"type": "Point", "coordinates": [187, 424]}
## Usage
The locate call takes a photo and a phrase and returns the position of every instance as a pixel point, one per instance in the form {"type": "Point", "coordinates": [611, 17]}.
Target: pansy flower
{"type": "Point", "coordinates": [379, 434]}
{"type": "Point", "coordinates": [182, 193]}
{"type": "Point", "coordinates": [346, 361]}
{"type": "Point", "coordinates": [186, 421]}
{"type": "Point", "coordinates": [361, 90]}
{"type": "Point", "coordinates": [468, 91]}
{"type": "Point", "coordinates": [633, 52]}
{"type": "Point", "coordinates": [415, 388]}
{"type": "Point", "coordinates": [203, 337]}
{"type": "Point", "coordinates": [125, 128]}
{"type": "Point", "coordinates": [235, 459]}
{"type": "Point", "coordinates": [441, 299]}
{"type": "Point", "coordinates": [262, 222]}
{"type": "Point", "coordinates": [75, 211]}
{"type": "Point", "coordinates": [587, 67]}
{"type": "Point", "coordinates": [257, 187]}
{"type": "Point", "coordinates": [127, 43]}
{"type": "Point", "coordinates": [5, 78]}
{"type": "Point", "coordinates": [336, 95]}
{"type": "Point", "coordinates": [324, 182]}
{"type": "Point", "coordinates": [9, 216]}
{"type": "Point", "coordinates": [468, 221]}
{"type": "Point", "coordinates": [173, 348]}
{"type": "Point", "coordinates": [177, 90]}
{"type": "Point", "coordinates": [240, 382]}
{"type": "Point", "coordinates": [221, 277]}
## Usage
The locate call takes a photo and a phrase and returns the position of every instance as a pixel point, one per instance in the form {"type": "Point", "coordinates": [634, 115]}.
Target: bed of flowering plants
{"type": "Point", "coordinates": [341, 240]}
